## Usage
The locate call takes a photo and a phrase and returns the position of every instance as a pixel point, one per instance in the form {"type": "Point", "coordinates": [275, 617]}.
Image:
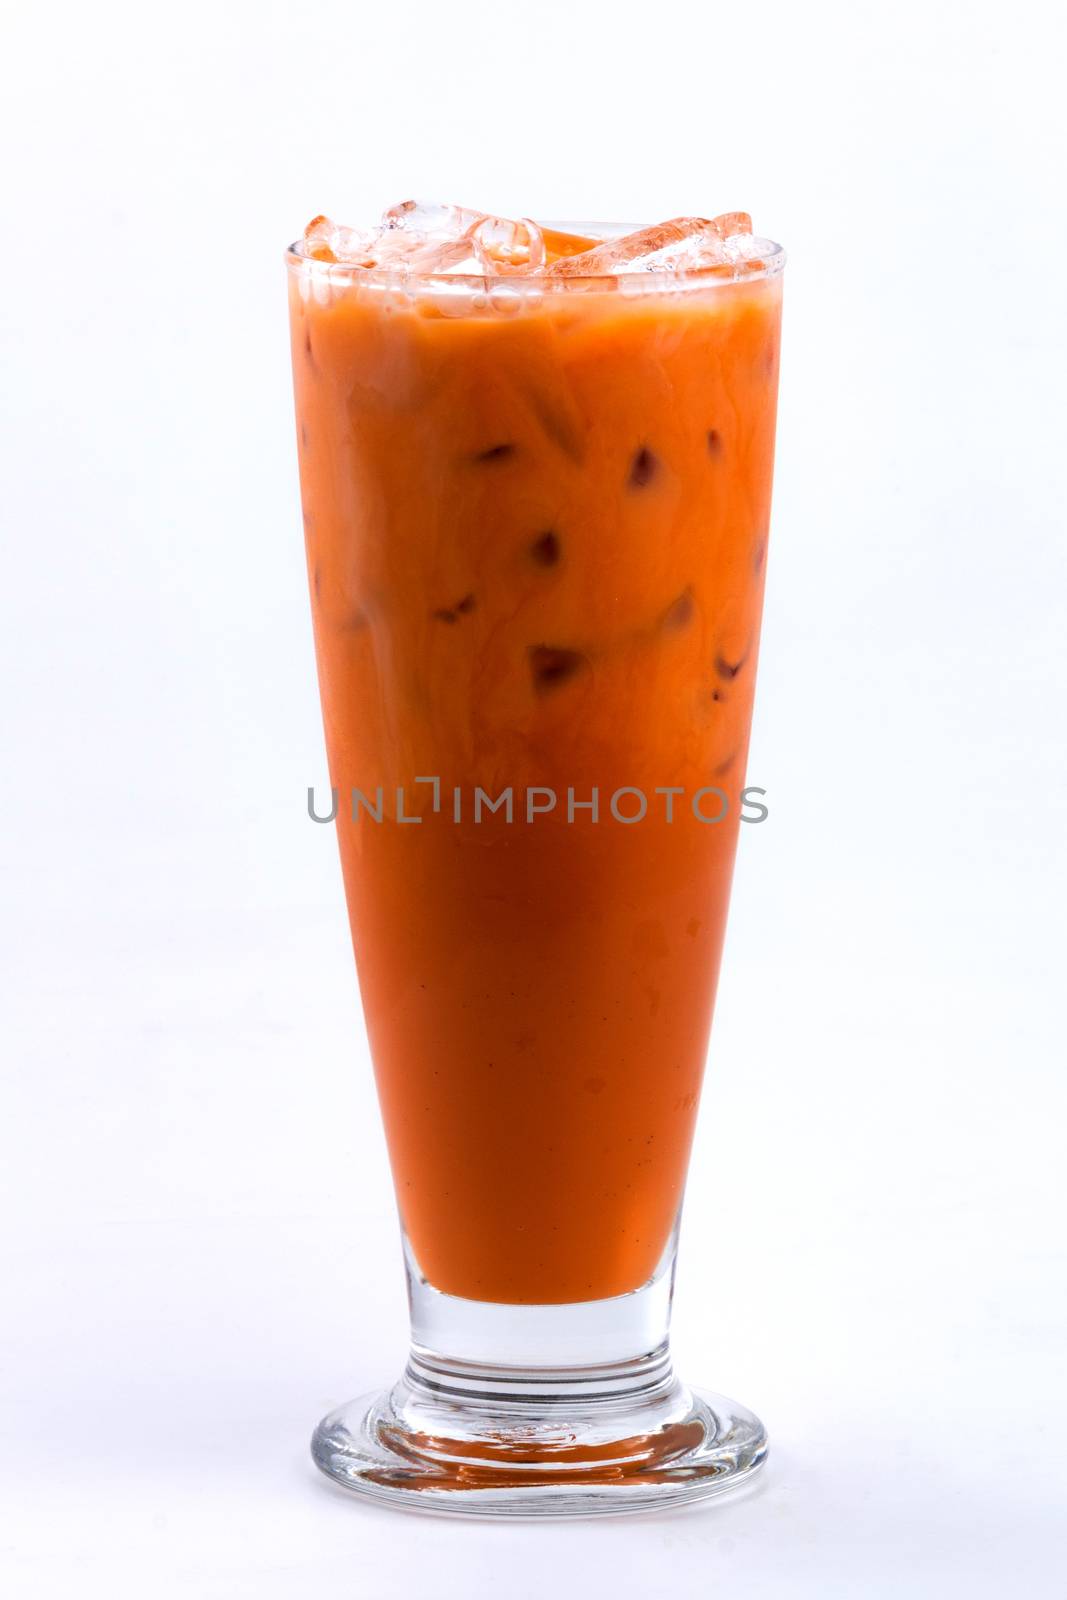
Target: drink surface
{"type": "Point", "coordinates": [536, 540]}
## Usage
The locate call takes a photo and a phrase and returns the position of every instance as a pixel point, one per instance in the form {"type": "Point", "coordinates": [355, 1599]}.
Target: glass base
{"type": "Point", "coordinates": [561, 1455]}
{"type": "Point", "coordinates": [540, 1411]}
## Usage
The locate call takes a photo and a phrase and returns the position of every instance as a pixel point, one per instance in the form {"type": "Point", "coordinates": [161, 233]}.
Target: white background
{"type": "Point", "coordinates": [197, 1243]}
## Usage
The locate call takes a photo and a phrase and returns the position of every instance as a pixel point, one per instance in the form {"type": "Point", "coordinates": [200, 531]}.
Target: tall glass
{"type": "Point", "coordinates": [536, 514]}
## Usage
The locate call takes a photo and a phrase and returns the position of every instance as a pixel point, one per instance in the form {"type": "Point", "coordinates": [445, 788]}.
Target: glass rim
{"type": "Point", "coordinates": [719, 274]}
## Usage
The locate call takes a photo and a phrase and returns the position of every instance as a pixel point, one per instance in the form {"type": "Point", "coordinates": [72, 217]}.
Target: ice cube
{"type": "Point", "coordinates": [565, 244]}
{"type": "Point", "coordinates": [740, 251]}
{"type": "Point", "coordinates": [318, 239]}
{"type": "Point", "coordinates": [430, 220]}
{"type": "Point", "coordinates": [746, 254]}
{"type": "Point", "coordinates": [695, 253]}
{"type": "Point", "coordinates": [503, 246]}
{"type": "Point", "coordinates": [731, 223]}
{"type": "Point", "coordinates": [403, 252]}
{"type": "Point", "coordinates": [626, 254]}
{"type": "Point", "coordinates": [423, 236]}
{"type": "Point", "coordinates": [327, 241]}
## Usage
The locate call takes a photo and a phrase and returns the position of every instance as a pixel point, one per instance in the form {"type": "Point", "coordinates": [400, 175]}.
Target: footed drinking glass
{"type": "Point", "coordinates": [536, 512]}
